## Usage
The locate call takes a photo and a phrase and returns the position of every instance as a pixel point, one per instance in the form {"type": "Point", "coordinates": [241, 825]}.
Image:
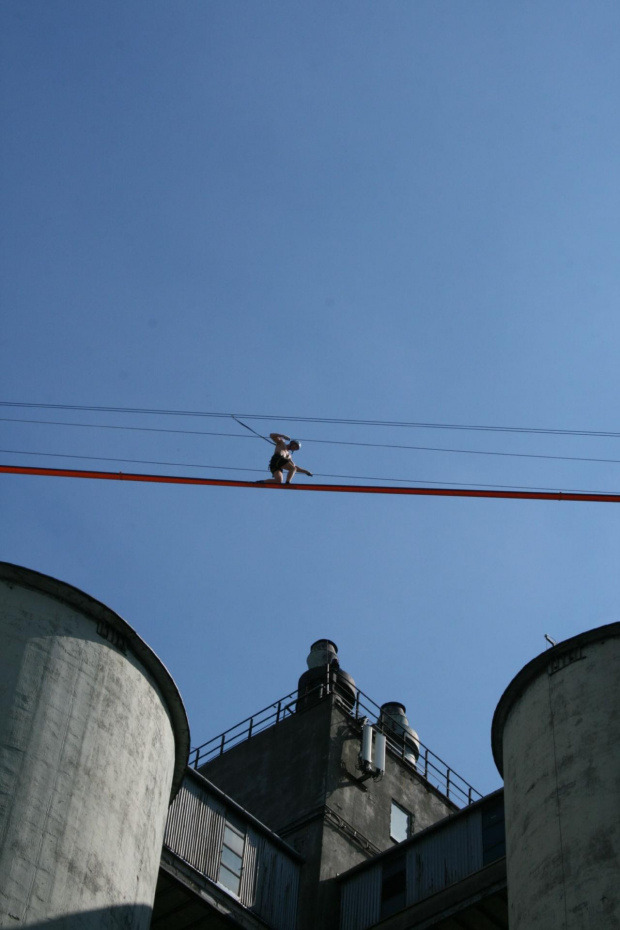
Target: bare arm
{"type": "Point", "coordinates": [279, 437]}
{"type": "Point", "coordinates": [302, 470]}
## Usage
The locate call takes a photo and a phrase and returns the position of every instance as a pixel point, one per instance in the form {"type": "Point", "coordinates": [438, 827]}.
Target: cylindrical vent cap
{"type": "Point", "coordinates": [324, 676]}
{"type": "Point", "coordinates": [395, 723]}
{"type": "Point", "coordinates": [322, 652]}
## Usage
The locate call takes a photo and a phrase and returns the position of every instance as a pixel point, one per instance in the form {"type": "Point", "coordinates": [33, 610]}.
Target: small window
{"type": "Point", "coordinates": [231, 860]}
{"type": "Point", "coordinates": [401, 823]}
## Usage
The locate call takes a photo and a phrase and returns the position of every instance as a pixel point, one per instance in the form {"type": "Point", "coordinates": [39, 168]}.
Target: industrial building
{"type": "Point", "coordinates": [348, 821]}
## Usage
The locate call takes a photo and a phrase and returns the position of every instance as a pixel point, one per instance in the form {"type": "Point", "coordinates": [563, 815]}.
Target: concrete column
{"type": "Point", "coordinates": [93, 740]}
{"type": "Point", "coordinates": [556, 741]}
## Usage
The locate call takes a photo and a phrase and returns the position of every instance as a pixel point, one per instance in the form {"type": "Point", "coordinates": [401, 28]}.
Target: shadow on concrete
{"type": "Point", "coordinates": [119, 917]}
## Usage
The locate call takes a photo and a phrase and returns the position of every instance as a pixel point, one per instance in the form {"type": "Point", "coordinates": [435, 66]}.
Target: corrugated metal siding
{"type": "Point", "coordinates": [444, 857]}
{"type": "Point", "coordinates": [195, 828]}
{"type": "Point", "coordinates": [248, 873]}
{"type": "Point", "coordinates": [269, 878]}
{"type": "Point", "coordinates": [277, 887]}
{"type": "Point", "coordinates": [361, 900]}
{"type": "Point", "coordinates": [433, 862]}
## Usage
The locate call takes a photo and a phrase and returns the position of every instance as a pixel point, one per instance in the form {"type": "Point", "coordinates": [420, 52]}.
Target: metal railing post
{"type": "Point", "coordinates": [427, 762]}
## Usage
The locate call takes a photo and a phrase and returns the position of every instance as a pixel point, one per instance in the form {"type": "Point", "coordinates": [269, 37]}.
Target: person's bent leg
{"type": "Point", "coordinates": [276, 478]}
{"type": "Point", "coordinates": [291, 471]}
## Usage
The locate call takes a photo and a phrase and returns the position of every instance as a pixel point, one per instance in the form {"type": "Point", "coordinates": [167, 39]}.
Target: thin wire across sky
{"type": "Point", "coordinates": [59, 425]}
{"type": "Point", "coordinates": [331, 442]}
{"type": "Point", "coordinates": [332, 420]}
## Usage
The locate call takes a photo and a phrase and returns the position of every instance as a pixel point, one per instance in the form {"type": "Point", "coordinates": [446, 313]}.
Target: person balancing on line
{"type": "Point", "coordinates": [282, 461]}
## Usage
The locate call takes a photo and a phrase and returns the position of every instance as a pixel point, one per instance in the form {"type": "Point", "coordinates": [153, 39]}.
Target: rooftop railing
{"type": "Point", "coordinates": [429, 766]}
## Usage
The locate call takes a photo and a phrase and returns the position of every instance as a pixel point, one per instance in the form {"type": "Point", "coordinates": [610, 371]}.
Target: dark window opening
{"type": "Point", "coordinates": [394, 885]}
{"type": "Point", "coordinates": [493, 832]}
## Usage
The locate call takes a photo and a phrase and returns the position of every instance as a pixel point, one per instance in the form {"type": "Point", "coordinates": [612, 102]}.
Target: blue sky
{"type": "Point", "coordinates": [396, 211]}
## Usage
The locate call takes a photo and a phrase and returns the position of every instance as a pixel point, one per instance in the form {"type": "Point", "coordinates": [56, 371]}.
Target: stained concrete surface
{"type": "Point", "coordinates": [556, 738]}
{"type": "Point", "coordinates": [87, 756]}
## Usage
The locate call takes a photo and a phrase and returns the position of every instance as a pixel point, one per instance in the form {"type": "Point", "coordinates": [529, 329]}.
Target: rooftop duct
{"type": "Point", "coordinates": [396, 727]}
{"type": "Point", "coordinates": [324, 676]}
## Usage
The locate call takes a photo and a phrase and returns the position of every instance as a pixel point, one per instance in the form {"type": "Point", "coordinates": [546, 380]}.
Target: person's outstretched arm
{"type": "Point", "coordinates": [303, 471]}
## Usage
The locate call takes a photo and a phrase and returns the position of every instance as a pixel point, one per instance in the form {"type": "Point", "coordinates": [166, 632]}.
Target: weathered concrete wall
{"type": "Point", "coordinates": [367, 804]}
{"type": "Point", "coordinates": [300, 778]}
{"type": "Point", "coordinates": [357, 825]}
{"type": "Point", "coordinates": [90, 740]}
{"type": "Point", "coordinates": [280, 774]}
{"type": "Point", "coordinates": [556, 740]}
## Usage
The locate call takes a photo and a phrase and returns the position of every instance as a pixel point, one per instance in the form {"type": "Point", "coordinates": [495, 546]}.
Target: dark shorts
{"type": "Point", "coordinates": [277, 462]}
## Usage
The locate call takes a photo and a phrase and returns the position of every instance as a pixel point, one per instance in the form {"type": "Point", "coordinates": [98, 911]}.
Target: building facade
{"type": "Point", "coordinates": [378, 829]}
{"type": "Point", "coordinates": [323, 811]}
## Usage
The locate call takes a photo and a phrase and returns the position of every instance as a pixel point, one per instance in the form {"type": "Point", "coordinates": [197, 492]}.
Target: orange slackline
{"type": "Point", "coordinates": [342, 488]}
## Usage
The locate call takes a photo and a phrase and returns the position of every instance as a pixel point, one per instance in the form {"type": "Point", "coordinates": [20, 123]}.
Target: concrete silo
{"type": "Point", "coordinates": [93, 743]}
{"type": "Point", "coordinates": [556, 741]}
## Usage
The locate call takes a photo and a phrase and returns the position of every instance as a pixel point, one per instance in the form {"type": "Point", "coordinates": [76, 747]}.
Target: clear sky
{"type": "Point", "coordinates": [396, 211]}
